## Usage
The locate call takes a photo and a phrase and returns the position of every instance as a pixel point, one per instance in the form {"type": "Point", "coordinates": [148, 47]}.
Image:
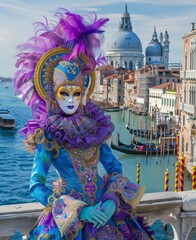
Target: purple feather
{"type": "Point", "coordinates": [82, 34]}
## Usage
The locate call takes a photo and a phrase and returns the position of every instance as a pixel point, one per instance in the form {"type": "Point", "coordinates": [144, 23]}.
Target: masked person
{"type": "Point", "coordinates": [55, 77]}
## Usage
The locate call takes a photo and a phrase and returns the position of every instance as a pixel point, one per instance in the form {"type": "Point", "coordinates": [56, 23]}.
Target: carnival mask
{"type": "Point", "coordinates": [69, 98]}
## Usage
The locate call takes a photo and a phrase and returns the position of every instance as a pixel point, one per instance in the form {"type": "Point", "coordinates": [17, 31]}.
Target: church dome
{"type": "Point", "coordinates": [125, 40]}
{"type": "Point", "coordinates": [154, 49]}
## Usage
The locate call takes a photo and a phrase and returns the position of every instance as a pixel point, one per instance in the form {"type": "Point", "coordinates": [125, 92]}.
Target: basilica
{"type": "Point", "coordinates": [129, 75]}
{"type": "Point", "coordinates": [125, 48]}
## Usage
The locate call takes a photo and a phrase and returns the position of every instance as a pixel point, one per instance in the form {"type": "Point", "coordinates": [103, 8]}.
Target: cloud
{"type": "Point", "coordinates": [18, 7]}
{"type": "Point", "coordinates": [175, 16]}
{"type": "Point", "coordinates": [5, 35]}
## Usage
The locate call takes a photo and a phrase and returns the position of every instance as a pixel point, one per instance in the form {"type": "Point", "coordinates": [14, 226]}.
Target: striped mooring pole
{"type": "Point", "coordinates": [176, 177]}
{"type": "Point", "coordinates": [194, 178]}
{"type": "Point", "coordinates": [182, 167]}
{"type": "Point", "coordinates": [166, 187]}
{"type": "Point", "coordinates": [138, 173]}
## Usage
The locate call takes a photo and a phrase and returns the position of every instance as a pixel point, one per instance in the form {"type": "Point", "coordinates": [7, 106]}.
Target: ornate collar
{"type": "Point", "coordinates": [88, 127]}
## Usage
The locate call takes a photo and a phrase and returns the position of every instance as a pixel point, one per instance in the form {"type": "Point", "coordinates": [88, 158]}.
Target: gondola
{"type": "Point", "coordinates": [113, 109]}
{"type": "Point", "coordinates": [134, 142]}
{"type": "Point", "coordinates": [147, 133]}
{"type": "Point", "coordinates": [142, 150]}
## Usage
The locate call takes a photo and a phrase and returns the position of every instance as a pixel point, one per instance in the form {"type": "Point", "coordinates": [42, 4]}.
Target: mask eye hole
{"type": "Point", "coordinates": [77, 94]}
{"type": "Point", "coordinates": [63, 93]}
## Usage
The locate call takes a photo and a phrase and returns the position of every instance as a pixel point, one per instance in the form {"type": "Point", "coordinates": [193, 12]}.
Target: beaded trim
{"type": "Point", "coordinates": [85, 162]}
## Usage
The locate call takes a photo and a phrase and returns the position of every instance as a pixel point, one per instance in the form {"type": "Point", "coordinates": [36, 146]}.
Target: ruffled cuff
{"type": "Point", "coordinates": [65, 212]}
{"type": "Point", "coordinates": [122, 191]}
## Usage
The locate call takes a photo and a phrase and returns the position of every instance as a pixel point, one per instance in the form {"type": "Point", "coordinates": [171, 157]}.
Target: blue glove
{"type": "Point", "coordinates": [93, 214]}
{"type": "Point", "coordinates": [108, 208]}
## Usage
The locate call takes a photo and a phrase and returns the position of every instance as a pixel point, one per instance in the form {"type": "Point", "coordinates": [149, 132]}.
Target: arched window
{"type": "Point", "coordinates": [192, 234]}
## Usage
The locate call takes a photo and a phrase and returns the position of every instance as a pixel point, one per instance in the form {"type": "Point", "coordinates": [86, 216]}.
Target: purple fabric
{"type": "Point", "coordinates": [86, 128]}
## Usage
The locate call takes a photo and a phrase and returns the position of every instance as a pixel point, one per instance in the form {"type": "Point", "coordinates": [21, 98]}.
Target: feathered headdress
{"type": "Point", "coordinates": [73, 37]}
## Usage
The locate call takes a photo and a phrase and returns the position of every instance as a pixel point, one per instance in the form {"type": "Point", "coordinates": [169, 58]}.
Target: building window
{"type": "Point", "coordinates": [149, 59]}
{"type": "Point", "coordinates": [160, 80]}
{"type": "Point", "coordinates": [130, 65]}
{"type": "Point", "coordinates": [183, 121]}
{"type": "Point", "coordinates": [185, 62]}
{"type": "Point", "coordinates": [185, 95]}
{"type": "Point", "coordinates": [187, 147]}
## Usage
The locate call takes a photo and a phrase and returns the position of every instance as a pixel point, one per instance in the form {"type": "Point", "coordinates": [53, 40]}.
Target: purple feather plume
{"type": "Point", "coordinates": [82, 34]}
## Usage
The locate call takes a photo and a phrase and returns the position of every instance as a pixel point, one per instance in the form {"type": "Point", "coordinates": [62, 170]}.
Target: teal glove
{"type": "Point", "coordinates": [93, 214]}
{"type": "Point", "coordinates": [108, 208]}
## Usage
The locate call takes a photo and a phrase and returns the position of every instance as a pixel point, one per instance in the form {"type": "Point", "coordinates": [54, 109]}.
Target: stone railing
{"type": "Point", "coordinates": [175, 208]}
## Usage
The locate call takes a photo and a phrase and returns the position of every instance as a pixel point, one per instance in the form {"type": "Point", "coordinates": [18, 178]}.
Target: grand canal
{"type": "Point", "coordinates": [16, 162]}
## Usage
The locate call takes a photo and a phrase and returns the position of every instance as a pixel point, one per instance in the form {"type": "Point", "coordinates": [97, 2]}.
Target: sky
{"type": "Point", "coordinates": [17, 18]}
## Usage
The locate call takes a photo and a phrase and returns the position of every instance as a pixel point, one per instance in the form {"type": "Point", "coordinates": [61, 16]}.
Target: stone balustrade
{"type": "Point", "coordinates": [175, 208]}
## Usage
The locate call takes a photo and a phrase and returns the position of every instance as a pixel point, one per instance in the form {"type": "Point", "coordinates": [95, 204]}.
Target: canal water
{"type": "Point", "coordinates": [16, 161]}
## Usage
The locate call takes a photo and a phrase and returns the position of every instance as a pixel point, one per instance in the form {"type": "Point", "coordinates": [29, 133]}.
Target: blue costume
{"type": "Point", "coordinates": [79, 180]}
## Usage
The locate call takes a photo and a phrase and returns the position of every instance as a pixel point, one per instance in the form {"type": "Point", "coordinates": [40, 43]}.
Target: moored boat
{"type": "Point", "coordinates": [147, 133]}
{"type": "Point", "coordinates": [113, 109]}
{"type": "Point", "coordinates": [142, 149]}
{"type": "Point", "coordinates": [7, 121]}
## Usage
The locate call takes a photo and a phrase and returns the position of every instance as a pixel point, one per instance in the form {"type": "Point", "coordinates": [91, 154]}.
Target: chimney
{"type": "Point", "coordinates": [193, 26]}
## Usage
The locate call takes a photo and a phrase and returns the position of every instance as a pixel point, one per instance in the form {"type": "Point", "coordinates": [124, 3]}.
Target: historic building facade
{"type": "Point", "coordinates": [188, 104]}
{"type": "Point", "coordinates": [145, 78]}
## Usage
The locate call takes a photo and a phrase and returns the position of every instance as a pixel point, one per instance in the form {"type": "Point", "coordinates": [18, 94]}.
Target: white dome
{"type": "Point", "coordinates": [124, 40]}
{"type": "Point", "coordinates": [154, 50]}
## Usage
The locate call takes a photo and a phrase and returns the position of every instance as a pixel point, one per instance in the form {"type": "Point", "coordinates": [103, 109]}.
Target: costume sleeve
{"type": "Point", "coordinates": [64, 209]}
{"type": "Point", "coordinates": [118, 188]}
{"type": "Point", "coordinates": [108, 160]}
{"type": "Point", "coordinates": [41, 166]}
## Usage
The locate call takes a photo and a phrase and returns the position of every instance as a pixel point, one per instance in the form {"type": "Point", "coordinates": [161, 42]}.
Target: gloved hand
{"type": "Point", "coordinates": [93, 214]}
{"type": "Point", "coordinates": [108, 208]}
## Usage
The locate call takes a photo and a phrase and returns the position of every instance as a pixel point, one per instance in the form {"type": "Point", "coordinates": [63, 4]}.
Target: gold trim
{"type": "Point", "coordinates": [92, 86]}
{"type": "Point", "coordinates": [40, 65]}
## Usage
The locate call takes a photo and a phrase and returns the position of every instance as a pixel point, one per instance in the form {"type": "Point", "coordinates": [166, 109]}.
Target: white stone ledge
{"type": "Point", "coordinates": [177, 204]}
